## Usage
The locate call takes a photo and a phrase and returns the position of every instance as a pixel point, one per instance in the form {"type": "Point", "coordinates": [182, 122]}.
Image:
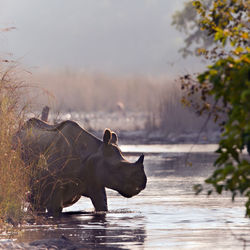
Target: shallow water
{"type": "Point", "coordinates": [166, 215]}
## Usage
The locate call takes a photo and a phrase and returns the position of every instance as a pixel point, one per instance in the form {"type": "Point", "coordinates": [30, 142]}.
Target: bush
{"type": "Point", "coordinates": [13, 176]}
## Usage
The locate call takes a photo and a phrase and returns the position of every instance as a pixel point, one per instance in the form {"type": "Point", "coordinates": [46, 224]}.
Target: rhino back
{"type": "Point", "coordinates": [65, 146]}
{"type": "Point", "coordinates": [80, 142]}
{"type": "Point", "coordinates": [65, 135]}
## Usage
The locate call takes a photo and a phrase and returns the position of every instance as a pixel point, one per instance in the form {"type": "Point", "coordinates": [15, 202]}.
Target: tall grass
{"type": "Point", "coordinates": [174, 116]}
{"type": "Point", "coordinates": [13, 177]}
{"type": "Point", "coordinates": [92, 91]}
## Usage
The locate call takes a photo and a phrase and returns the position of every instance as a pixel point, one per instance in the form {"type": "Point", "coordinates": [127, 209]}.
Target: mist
{"type": "Point", "coordinates": [118, 37]}
{"type": "Point", "coordinates": [90, 55]}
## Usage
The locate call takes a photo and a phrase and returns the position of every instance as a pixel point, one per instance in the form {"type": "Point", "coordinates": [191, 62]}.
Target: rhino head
{"type": "Point", "coordinates": [115, 172]}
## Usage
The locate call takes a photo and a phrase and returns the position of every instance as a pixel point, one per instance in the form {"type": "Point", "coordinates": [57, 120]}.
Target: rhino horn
{"type": "Point", "coordinates": [141, 159]}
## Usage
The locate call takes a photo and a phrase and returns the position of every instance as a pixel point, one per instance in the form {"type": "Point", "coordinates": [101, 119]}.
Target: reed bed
{"type": "Point", "coordinates": [13, 174]}
{"type": "Point", "coordinates": [157, 96]}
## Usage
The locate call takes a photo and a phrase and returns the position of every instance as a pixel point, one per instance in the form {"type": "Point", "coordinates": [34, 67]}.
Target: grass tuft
{"type": "Point", "coordinates": [13, 174]}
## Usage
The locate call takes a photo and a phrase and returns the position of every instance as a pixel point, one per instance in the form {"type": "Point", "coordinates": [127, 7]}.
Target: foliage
{"type": "Point", "coordinates": [187, 21]}
{"type": "Point", "coordinates": [13, 178]}
{"type": "Point", "coordinates": [227, 82]}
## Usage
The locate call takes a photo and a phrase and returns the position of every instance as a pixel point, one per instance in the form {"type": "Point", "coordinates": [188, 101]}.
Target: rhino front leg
{"type": "Point", "coordinates": [99, 199]}
{"type": "Point", "coordinates": [54, 211]}
{"type": "Point", "coordinates": [54, 204]}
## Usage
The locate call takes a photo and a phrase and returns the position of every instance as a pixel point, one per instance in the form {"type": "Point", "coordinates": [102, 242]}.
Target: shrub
{"type": "Point", "coordinates": [13, 180]}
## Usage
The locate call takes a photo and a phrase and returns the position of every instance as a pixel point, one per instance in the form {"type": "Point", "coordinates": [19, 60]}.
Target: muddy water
{"type": "Point", "coordinates": [166, 215]}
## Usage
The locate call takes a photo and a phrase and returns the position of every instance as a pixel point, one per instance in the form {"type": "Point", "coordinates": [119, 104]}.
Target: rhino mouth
{"type": "Point", "coordinates": [136, 191]}
{"type": "Point", "coordinates": [125, 195]}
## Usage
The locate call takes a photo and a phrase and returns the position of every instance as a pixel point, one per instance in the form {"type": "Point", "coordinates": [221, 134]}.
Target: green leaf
{"type": "Point", "coordinates": [245, 96]}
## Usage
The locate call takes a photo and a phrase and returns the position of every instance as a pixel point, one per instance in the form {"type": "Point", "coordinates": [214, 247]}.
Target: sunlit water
{"type": "Point", "coordinates": [166, 215]}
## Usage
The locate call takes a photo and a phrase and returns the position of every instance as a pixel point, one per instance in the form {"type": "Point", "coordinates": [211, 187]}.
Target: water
{"type": "Point", "coordinates": [166, 215]}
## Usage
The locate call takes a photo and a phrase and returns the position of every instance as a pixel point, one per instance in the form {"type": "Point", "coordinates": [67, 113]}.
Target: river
{"type": "Point", "coordinates": [166, 215]}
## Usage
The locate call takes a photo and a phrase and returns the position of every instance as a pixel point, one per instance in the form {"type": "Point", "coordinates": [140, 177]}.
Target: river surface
{"type": "Point", "coordinates": [166, 215]}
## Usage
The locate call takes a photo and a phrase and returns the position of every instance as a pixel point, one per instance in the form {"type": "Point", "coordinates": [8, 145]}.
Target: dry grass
{"type": "Point", "coordinates": [177, 118]}
{"type": "Point", "coordinates": [13, 178]}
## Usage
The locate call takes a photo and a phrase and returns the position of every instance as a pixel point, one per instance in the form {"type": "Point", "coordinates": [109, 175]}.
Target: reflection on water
{"type": "Point", "coordinates": [92, 230]}
{"type": "Point", "coordinates": [166, 215]}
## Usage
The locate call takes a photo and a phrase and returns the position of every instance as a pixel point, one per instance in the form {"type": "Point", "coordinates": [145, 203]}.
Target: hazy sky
{"type": "Point", "coordinates": [122, 36]}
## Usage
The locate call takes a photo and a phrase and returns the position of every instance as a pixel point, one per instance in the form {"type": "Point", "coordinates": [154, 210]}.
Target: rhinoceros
{"type": "Point", "coordinates": [68, 162]}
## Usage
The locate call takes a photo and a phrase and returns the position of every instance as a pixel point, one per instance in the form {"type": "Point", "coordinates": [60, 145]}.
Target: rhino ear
{"type": "Point", "coordinates": [114, 138]}
{"type": "Point", "coordinates": [107, 136]}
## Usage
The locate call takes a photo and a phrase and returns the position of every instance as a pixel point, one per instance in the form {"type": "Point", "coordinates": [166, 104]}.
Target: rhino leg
{"type": "Point", "coordinates": [54, 208]}
{"type": "Point", "coordinates": [99, 199]}
{"type": "Point", "coordinates": [54, 211]}
{"type": "Point", "coordinates": [54, 204]}
{"type": "Point", "coordinates": [37, 208]}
